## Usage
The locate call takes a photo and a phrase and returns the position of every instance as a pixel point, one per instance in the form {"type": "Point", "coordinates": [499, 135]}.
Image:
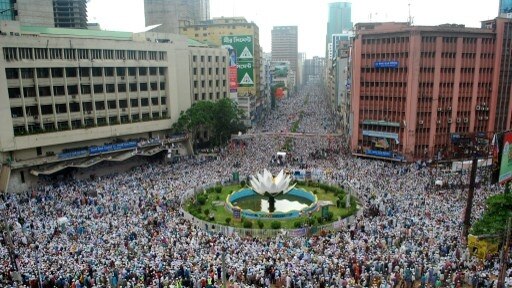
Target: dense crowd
{"type": "Point", "coordinates": [128, 229]}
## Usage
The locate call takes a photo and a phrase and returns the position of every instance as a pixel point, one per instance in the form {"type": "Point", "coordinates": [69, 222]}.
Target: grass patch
{"type": "Point", "coordinates": [219, 214]}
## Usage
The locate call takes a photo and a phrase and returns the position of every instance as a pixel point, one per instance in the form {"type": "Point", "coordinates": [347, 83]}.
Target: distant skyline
{"type": "Point", "coordinates": [309, 15]}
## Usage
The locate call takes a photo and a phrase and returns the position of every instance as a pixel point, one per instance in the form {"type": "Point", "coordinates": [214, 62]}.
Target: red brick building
{"type": "Point", "coordinates": [416, 87]}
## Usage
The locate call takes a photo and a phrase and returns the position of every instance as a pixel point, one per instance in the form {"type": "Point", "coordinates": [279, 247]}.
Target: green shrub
{"type": "Point", "coordinates": [242, 183]}
{"type": "Point", "coordinates": [319, 219]}
{"type": "Point", "coordinates": [330, 216]}
{"type": "Point", "coordinates": [275, 225]}
{"type": "Point", "coordinates": [297, 224]}
{"type": "Point", "coordinates": [206, 211]}
{"type": "Point", "coordinates": [201, 199]}
{"type": "Point", "coordinates": [228, 220]}
{"type": "Point", "coordinates": [311, 221]}
{"type": "Point", "coordinates": [247, 224]}
{"type": "Point", "coordinates": [260, 224]}
{"type": "Point", "coordinates": [218, 189]}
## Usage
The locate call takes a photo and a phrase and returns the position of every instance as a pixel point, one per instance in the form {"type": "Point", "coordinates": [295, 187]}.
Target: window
{"type": "Point", "coordinates": [11, 73]}
{"type": "Point", "coordinates": [55, 53]}
{"type": "Point", "coordinates": [26, 53]}
{"type": "Point", "coordinates": [41, 53]}
{"type": "Point", "coordinates": [71, 72]}
{"type": "Point", "coordinates": [108, 54]}
{"type": "Point", "coordinates": [43, 72]}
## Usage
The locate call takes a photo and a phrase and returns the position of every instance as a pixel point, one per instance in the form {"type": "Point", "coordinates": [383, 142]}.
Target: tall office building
{"type": "Point", "coordinates": [285, 45]}
{"type": "Point", "coordinates": [339, 21]}
{"type": "Point", "coordinates": [46, 13]}
{"type": "Point", "coordinates": [170, 13]}
{"type": "Point", "coordinates": [70, 13]}
{"type": "Point", "coordinates": [415, 89]}
{"type": "Point", "coordinates": [28, 12]}
{"type": "Point", "coordinates": [505, 7]}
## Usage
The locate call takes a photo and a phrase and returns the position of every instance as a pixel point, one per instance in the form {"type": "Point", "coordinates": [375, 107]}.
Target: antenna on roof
{"type": "Point", "coordinates": [410, 19]}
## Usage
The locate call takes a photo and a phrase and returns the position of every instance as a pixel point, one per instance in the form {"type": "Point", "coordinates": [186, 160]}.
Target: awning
{"type": "Point", "coordinates": [380, 134]}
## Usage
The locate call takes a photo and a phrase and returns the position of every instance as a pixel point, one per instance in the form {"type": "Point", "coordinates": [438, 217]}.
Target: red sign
{"type": "Point", "coordinates": [233, 79]}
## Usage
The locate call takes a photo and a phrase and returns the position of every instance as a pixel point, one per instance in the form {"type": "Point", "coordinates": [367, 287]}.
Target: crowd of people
{"type": "Point", "coordinates": [128, 230]}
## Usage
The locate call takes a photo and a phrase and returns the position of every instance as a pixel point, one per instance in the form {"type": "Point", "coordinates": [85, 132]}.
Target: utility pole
{"type": "Point", "coordinates": [469, 202]}
{"type": "Point", "coordinates": [504, 257]}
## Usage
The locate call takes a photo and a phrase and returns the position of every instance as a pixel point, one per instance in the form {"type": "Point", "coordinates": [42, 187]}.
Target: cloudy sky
{"type": "Point", "coordinates": [309, 15]}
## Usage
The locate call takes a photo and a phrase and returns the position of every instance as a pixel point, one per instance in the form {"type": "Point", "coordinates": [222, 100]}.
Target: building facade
{"type": "Point", "coordinates": [30, 12]}
{"type": "Point", "coordinates": [415, 88]}
{"type": "Point", "coordinates": [170, 13]}
{"type": "Point", "coordinates": [232, 33]}
{"type": "Point", "coordinates": [314, 68]}
{"type": "Point", "coordinates": [70, 13]}
{"type": "Point", "coordinates": [74, 98]}
{"type": "Point", "coordinates": [285, 45]}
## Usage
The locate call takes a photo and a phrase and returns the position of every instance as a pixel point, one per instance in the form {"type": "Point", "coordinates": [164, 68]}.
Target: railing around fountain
{"type": "Point", "coordinates": [339, 225]}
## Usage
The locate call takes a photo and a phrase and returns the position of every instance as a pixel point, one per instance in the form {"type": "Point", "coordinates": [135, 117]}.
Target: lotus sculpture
{"type": "Point", "coordinates": [267, 185]}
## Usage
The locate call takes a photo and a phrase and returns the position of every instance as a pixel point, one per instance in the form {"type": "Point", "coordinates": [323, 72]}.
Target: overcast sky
{"type": "Point", "coordinates": [309, 15]}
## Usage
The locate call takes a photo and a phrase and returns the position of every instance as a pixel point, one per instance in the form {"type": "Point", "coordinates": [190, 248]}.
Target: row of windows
{"type": "Point", "coordinates": [202, 57]}
{"type": "Point", "coordinates": [87, 107]}
{"type": "Point", "coordinates": [21, 53]}
{"type": "Point", "coordinates": [210, 96]}
{"type": "Point", "coordinates": [59, 72]}
{"type": "Point", "coordinates": [385, 55]}
{"type": "Point", "coordinates": [46, 91]}
{"type": "Point", "coordinates": [87, 122]}
{"type": "Point", "coordinates": [210, 83]}
{"type": "Point", "coordinates": [386, 40]}
{"type": "Point", "coordinates": [210, 70]}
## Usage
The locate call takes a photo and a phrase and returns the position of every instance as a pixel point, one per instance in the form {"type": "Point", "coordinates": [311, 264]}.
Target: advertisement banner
{"type": "Point", "coordinates": [241, 54]}
{"type": "Point", "coordinates": [233, 79]}
{"type": "Point", "coordinates": [506, 159]}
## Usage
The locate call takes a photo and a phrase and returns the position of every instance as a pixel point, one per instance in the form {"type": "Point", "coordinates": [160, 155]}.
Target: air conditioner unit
{"type": "Point", "coordinates": [477, 107]}
{"type": "Point", "coordinates": [438, 121]}
{"type": "Point", "coordinates": [449, 108]}
{"type": "Point", "coordinates": [440, 109]}
{"type": "Point", "coordinates": [449, 120]}
{"type": "Point", "coordinates": [466, 120]}
{"type": "Point", "coordinates": [458, 120]}
{"type": "Point", "coordinates": [420, 122]}
{"type": "Point", "coordinates": [480, 118]}
{"type": "Point", "coordinates": [486, 108]}
{"type": "Point", "coordinates": [73, 96]}
{"type": "Point", "coordinates": [486, 118]}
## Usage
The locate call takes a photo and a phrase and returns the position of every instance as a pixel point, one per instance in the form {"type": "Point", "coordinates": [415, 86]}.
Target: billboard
{"type": "Point", "coordinates": [506, 159]}
{"type": "Point", "coordinates": [241, 48]}
{"type": "Point", "coordinates": [233, 81]}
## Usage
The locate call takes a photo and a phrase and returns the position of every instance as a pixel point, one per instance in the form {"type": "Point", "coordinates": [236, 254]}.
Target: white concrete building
{"type": "Point", "coordinates": [64, 92]}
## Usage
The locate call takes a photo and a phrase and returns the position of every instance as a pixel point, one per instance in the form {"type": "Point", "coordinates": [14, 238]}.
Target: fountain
{"type": "Point", "coordinates": [271, 197]}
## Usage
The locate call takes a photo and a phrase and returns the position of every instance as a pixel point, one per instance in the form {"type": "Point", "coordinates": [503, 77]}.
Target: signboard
{"type": "Point", "coordinates": [241, 49]}
{"type": "Point", "coordinates": [386, 64]}
{"type": "Point", "coordinates": [506, 159]}
{"type": "Point", "coordinates": [380, 134]}
{"type": "Point", "coordinates": [237, 213]}
{"type": "Point", "coordinates": [233, 79]}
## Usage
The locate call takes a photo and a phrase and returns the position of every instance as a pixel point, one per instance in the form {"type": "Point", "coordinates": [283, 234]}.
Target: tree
{"type": "Point", "coordinates": [494, 220]}
{"type": "Point", "coordinates": [220, 119]}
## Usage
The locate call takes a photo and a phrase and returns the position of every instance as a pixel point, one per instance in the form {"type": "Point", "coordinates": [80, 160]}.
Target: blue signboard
{"type": "Point", "coordinates": [378, 153]}
{"type": "Point", "coordinates": [386, 64]}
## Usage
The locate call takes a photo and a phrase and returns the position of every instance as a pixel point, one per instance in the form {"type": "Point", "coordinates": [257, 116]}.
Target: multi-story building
{"type": "Point", "coordinates": [505, 8]}
{"type": "Point", "coordinates": [169, 13]}
{"type": "Point", "coordinates": [28, 12]}
{"type": "Point", "coordinates": [242, 39]}
{"type": "Point", "coordinates": [285, 45]}
{"type": "Point", "coordinates": [70, 13]}
{"type": "Point", "coordinates": [74, 98]}
{"type": "Point", "coordinates": [313, 69]}
{"type": "Point", "coordinates": [300, 68]}
{"type": "Point", "coordinates": [417, 88]}
{"type": "Point", "coordinates": [47, 13]}
{"type": "Point", "coordinates": [339, 22]}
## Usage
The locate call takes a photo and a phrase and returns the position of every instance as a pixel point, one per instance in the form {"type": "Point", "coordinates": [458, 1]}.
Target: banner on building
{"type": "Point", "coordinates": [241, 49]}
{"type": "Point", "coordinates": [506, 159]}
{"type": "Point", "coordinates": [233, 79]}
